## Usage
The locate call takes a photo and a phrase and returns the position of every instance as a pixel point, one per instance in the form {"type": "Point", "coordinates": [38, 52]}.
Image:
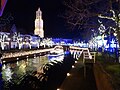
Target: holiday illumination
{"type": "Point", "coordinates": [2, 6]}
{"type": "Point", "coordinates": [116, 18]}
{"type": "Point", "coordinates": [100, 41]}
{"type": "Point", "coordinates": [102, 28]}
{"type": "Point", "coordinates": [39, 24]}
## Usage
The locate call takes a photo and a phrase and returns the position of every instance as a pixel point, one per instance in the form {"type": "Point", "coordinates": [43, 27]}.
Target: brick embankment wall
{"type": "Point", "coordinates": [102, 78]}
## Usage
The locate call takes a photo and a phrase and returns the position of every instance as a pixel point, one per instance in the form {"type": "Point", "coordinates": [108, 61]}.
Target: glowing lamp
{"type": "Point", "coordinates": [73, 66]}
{"type": "Point", "coordinates": [68, 74]}
{"type": "Point", "coordinates": [75, 61]}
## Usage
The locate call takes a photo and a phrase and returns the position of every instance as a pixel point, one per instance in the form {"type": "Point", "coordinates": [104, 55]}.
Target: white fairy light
{"type": "Point", "coordinates": [68, 74]}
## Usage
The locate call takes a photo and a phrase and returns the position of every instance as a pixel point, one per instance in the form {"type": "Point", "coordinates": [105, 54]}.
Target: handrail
{"type": "Point", "coordinates": [88, 55]}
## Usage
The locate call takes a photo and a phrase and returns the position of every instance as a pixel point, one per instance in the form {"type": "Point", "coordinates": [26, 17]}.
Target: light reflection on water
{"type": "Point", "coordinates": [15, 71]}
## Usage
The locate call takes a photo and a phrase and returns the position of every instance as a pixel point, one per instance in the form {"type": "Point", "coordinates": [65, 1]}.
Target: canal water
{"type": "Point", "coordinates": [14, 72]}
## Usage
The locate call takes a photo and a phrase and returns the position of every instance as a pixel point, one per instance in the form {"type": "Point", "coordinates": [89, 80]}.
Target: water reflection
{"type": "Point", "coordinates": [14, 72]}
{"type": "Point", "coordinates": [8, 73]}
{"type": "Point", "coordinates": [56, 57]}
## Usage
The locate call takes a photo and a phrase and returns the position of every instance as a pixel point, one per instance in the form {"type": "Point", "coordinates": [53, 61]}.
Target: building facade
{"type": "Point", "coordinates": [39, 24]}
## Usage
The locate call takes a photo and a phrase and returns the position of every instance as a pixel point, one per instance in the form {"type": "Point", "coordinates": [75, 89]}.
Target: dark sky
{"type": "Point", "coordinates": [24, 11]}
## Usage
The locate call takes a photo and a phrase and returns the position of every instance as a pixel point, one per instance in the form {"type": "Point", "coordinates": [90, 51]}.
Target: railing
{"type": "Point", "coordinates": [89, 55]}
{"type": "Point", "coordinates": [86, 53]}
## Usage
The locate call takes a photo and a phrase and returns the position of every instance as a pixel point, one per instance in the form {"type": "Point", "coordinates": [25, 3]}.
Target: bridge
{"type": "Point", "coordinates": [77, 52]}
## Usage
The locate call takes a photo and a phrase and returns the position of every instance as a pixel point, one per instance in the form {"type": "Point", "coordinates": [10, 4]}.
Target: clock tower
{"type": "Point", "coordinates": [39, 24]}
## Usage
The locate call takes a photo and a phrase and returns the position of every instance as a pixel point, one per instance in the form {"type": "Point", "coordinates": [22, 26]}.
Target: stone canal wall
{"type": "Point", "coordinates": [8, 57]}
{"type": "Point", "coordinates": [102, 78]}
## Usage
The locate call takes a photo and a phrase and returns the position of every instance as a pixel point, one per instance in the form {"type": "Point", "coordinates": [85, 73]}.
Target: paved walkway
{"type": "Point", "coordinates": [81, 78]}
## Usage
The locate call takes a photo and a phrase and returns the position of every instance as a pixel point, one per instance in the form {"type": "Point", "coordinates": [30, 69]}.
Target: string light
{"type": "Point", "coordinates": [115, 17]}
{"type": "Point", "coordinates": [73, 66]}
{"type": "Point", "coordinates": [68, 74]}
{"type": "Point", "coordinates": [75, 61]}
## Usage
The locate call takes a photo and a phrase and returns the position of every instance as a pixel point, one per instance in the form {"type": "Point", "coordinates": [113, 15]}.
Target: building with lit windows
{"type": "Point", "coordinates": [39, 24]}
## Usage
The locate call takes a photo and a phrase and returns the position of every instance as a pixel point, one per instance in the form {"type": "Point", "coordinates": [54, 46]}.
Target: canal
{"type": "Point", "coordinates": [14, 72]}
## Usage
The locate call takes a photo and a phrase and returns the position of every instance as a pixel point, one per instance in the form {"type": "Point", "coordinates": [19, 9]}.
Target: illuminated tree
{"type": "Point", "coordinates": [115, 16]}
{"type": "Point", "coordinates": [101, 28]}
{"type": "Point", "coordinates": [47, 42]}
{"type": "Point", "coordinates": [98, 37]}
{"type": "Point", "coordinates": [83, 14]}
{"type": "Point", "coordinates": [2, 40]}
{"type": "Point", "coordinates": [19, 40]}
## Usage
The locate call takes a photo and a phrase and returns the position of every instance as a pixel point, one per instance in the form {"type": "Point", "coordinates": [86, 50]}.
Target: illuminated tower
{"type": "Point", "coordinates": [39, 24]}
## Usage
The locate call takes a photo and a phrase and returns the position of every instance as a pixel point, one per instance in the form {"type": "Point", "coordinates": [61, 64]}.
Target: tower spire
{"type": "Point", "coordinates": [39, 24]}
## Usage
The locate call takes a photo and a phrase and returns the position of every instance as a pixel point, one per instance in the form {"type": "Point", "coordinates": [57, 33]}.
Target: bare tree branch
{"type": "Point", "coordinates": [107, 17]}
{"type": "Point", "coordinates": [78, 12]}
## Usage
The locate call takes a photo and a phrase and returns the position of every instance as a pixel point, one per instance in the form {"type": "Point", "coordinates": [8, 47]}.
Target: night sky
{"type": "Point", "coordinates": [24, 12]}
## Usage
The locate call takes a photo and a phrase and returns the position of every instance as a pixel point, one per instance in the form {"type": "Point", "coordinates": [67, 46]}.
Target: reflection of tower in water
{"type": "Point", "coordinates": [8, 73]}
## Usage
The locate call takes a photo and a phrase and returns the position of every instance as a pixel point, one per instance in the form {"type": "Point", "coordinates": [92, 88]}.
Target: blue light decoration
{"type": "Point", "coordinates": [2, 6]}
{"type": "Point", "coordinates": [62, 41]}
{"type": "Point", "coordinates": [59, 57]}
{"type": "Point", "coordinates": [67, 53]}
{"type": "Point", "coordinates": [110, 44]}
